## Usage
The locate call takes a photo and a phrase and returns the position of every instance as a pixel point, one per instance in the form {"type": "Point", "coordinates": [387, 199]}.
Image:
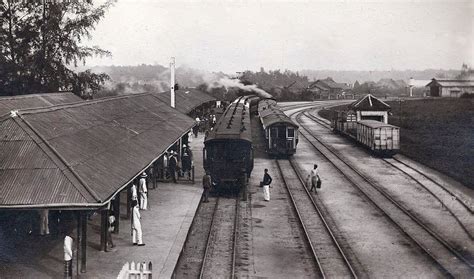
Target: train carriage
{"type": "Point", "coordinates": [228, 153]}
{"type": "Point", "coordinates": [281, 133]}
{"type": "Point", "coordinates": [381, 138]}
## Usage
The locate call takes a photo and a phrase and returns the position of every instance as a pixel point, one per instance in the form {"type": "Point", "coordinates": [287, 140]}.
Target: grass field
{"type": "Point", "coordinates": [436, 132]}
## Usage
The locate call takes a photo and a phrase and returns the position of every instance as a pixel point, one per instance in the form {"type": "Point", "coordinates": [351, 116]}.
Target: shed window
{"type": "Point", "coordinates": [291, 132]}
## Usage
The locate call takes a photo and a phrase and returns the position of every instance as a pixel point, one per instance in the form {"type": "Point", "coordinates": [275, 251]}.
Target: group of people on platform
{"type": "Point", "coordinates": [204, 124]}
{"type": "Point", "coordinates": [171, 166]}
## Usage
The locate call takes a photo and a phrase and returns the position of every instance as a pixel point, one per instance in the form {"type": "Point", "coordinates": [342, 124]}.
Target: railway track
{"type": "Point", "coordinates": [457, 208]}
{"type": "Point", "coordinates": [220, 252]}
{"type": "Point", "coordinates": [447, 258]}
{"type": "Point", "coordinates": [330, 258]}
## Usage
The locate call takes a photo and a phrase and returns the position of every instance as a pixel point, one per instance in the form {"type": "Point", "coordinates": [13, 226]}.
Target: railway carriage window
{"type": "Point", "coordinates": [281, 132]}
{"type": "Point", "coordinates": [291, 132]}
{"type": "Point", "coordinates": [273, 133]}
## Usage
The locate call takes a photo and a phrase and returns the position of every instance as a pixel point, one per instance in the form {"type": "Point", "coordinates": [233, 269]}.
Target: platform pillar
{"type": "Point", "coordinates": [103, 229]}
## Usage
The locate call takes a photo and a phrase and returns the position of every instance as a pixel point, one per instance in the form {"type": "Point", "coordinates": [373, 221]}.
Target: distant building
{"type": "Point", "coordinates": [450, 87]}
{"type": "Point", "coordinates": [328, 88]}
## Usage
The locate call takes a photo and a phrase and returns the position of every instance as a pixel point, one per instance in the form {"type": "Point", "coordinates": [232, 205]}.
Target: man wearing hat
{"type": "Point", "coordinates": [172, 164]}
{"type": "Point", "coordinates": [143, 190]}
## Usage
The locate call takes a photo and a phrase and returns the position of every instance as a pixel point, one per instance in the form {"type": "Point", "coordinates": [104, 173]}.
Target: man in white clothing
{"type": "Point", "coordinates": [134, 192]}
{"type": "Point", "coordinates": [68, 256]}
{"type": "Point", "coordinates": [143, 190]}
{"type": "Point", "coordinates": [314, 176]}
{"type": "Point", "coordinates": [137, 237]}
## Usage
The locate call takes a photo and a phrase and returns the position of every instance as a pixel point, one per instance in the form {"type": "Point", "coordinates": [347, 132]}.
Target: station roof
{"type": "Point", "coordinates": [17, 102]}
{"type": "Point", "coordinates": [186, 99]}
{"type": "Point", "coordinates": [369, 103]}
{"type": "Point", "coordinates": [451, 83]}
{"type": "Point", "coordinates": [234, 123]}
{"type": "Point", "coordinates": [80, 155]}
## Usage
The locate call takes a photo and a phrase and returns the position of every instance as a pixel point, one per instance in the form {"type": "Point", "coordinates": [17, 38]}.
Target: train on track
{"type": "Point", "coordinates": [281, 133]}
{"type": "Point", "coordinates": [228, 151]}
{"type": "Point", "coordinates": [380, 138]}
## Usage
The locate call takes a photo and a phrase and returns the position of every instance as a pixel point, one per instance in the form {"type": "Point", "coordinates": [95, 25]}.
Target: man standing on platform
{"type": "Point", "coordinates": [68, 256]}
{"type": "Point", "coordinates": [143, 190]}
{"type": "Point", "coordinates": [172, 164]}
{"type": "Point", "coordinates": [134, 191]}
{"type": "Point", "coordinates": [267, 180]}
{"type": "Point", "coordinates": [206, 184]}
{"type": "Point", "coordinates": [137, 236]}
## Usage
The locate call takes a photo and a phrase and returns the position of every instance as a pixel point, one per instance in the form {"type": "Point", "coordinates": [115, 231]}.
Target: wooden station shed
{"type": "Point", "coordinates": [78, 157]}
{"type": "Point", "coordinates": [369, 107]}
{"type": "Point", "coordinates": [450, 87]}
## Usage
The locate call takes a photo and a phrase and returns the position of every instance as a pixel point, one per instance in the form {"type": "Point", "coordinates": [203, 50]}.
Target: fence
{"type": "Point", "coordinates": [135, 271]}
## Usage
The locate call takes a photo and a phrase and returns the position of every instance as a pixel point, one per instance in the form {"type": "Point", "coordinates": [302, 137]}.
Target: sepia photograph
{"type": "Point", "coordinates": [236, 139]}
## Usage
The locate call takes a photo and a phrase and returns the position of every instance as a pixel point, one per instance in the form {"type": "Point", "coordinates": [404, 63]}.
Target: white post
{"type": "Point", "coordinates": [411, 84]}
{"type": "Point", "coordinates": [172, 65]}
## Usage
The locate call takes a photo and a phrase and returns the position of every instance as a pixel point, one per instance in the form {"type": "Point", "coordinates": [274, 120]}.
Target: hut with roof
{"type": "Point", "coordinates": [450, 87]}
{"type": "Point", "coordinates": [369, 107]}
{"type": "Point", "coordinates": [329, 89]}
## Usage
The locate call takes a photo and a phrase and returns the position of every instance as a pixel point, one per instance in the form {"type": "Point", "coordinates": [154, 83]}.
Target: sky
{"type": "Point", "coordinates": [233, 36]}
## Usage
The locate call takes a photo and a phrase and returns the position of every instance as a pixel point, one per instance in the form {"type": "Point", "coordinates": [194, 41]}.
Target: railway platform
{"type": "Point", "coordinates": [165, 226]}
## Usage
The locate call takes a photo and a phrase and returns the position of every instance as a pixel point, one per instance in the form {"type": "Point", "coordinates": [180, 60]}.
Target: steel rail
{"type": "Point", "coordinates": [388, 197]}
{"type": "Point", "coordinates": [208, 242]}
{"type": "Point", "coordinates": [323, 219]}
{"type": "Point", "coordinates": [434, 195]}
{"type": "Point", "coordinates": [463, 203]}
{"type": "Point", "coordinates": [308, 239]}
{"type": "Point", "coordinates": [236, 234]}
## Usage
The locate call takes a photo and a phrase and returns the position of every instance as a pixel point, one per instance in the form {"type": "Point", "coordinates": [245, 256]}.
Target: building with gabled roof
{"type": "Point", "coordinates": [328, 87]}
{"type": "Point", "coordinates": [369, 107]}
{"type": "Point", "coordinates": [450, 87]}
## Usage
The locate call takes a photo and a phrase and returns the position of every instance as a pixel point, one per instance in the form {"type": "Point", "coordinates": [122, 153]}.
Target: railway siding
{"type": "Point", "coordinates": [433, 247]}
{"type": "Point", "coordinates": [434, 211]}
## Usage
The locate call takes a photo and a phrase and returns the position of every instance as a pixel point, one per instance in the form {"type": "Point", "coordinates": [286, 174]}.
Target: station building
{"type": "Point", "coordinates": [74, 157]}
{"type": "Point", "coordinates": [450, 87]}
{"type": "Point", "coordinates": [370, 107]}
{"type": "Point", "coordinates": [329, 89]}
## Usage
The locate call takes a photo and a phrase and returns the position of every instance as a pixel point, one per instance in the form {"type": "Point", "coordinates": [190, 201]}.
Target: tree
{"type": "Point", "coordinates": [41, 40]}
{"type": "Point", "coordinates": [466, 72]}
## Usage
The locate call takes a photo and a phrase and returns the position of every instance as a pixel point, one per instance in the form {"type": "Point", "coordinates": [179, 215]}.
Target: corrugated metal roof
{"type": "Point", "coordinates": [186, 99]}
{"type": "Point", "coordinates": [8, 104]}
{"type": "Point", "coordinates": [82, 154]}
{"type": "Point", "coordinates": [452, 83]}
{"type": "Point", "coordinates": [369, 102]}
